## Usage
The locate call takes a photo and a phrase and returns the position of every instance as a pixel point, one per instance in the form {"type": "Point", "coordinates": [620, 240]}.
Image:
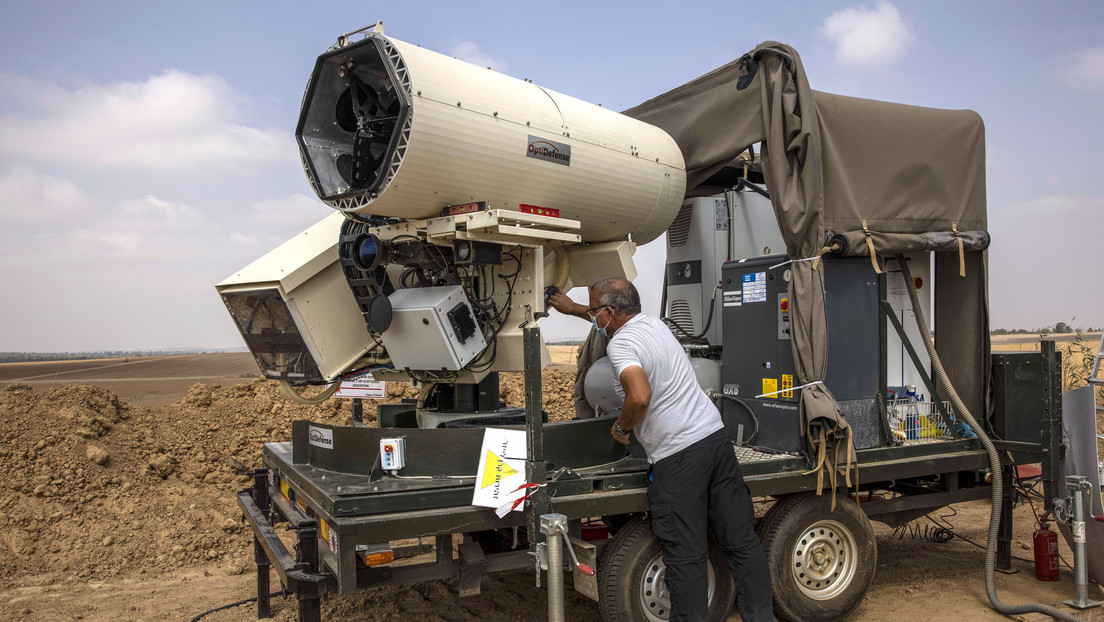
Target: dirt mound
{"type": "Point", "coordinates": [95, 488]}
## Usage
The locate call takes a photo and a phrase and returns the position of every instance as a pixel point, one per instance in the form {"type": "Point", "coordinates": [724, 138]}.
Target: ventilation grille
{"type": "Point", "coordinates": [680, 229]}
{"type": "Point", "coordinates": [680, 313]}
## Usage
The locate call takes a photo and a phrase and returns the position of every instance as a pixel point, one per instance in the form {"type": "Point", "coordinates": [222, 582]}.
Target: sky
{"type": "Point", "coordinates": [147, 148]}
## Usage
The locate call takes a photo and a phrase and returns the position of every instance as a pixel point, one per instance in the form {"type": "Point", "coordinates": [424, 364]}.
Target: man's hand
{"type": "Point", "coordinates": [620, 438]}
{"type": "Point", "coordinates": [560, 302]}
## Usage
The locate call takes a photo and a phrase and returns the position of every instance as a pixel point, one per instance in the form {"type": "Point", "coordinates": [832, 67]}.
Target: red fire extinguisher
{"type": "Point", "coordinates": [1046, 552]}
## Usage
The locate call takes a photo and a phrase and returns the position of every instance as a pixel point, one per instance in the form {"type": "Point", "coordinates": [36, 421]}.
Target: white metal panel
{"type": "Point", "coordinates": [754, 228]}
{"type": "Point", "coordinates": [899, 368]}
{"type": "Point", "coordinates": [296, 260]}
{"type": "Point", "coordinates": [306, 272]}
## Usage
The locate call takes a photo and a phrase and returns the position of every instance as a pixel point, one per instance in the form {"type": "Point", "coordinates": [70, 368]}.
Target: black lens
{"type": "Point", "coordinates": [367, 248]}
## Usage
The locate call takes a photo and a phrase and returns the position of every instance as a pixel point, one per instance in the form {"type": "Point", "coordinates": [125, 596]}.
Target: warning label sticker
{"type": "Point", "coordinates": [787, 383]}
{"type": "Point", "coordinates": [364, 387]}
{"type": "Point", "coordinates": [770, 386]}
{"type": "Point", "coordinates": [501, 468]}
{"type": "Point", "coordinates": [755, 287]}
{"type": "Point", "coordinates": [733, 298]}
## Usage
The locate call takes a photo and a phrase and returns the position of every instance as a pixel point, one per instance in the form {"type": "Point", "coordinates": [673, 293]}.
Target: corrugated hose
{"type": "Point", "coordinates": [994, 466]}
{"type": "Point", "coordinates": [290, 393]}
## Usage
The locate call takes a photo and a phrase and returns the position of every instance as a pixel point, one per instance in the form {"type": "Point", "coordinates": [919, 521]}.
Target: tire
{"type": "Point", "coordinates": [634, 561]}
{"type": "Point", "coordinates": [841, 546]}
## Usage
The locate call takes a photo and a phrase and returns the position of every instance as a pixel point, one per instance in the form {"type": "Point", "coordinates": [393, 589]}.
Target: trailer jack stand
{"type": "Point", "coordinates": [1079, 488]}
{"type": "Point", "coordinates": [260, 497]}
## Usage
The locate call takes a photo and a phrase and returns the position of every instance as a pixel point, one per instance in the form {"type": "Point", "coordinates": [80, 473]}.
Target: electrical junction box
{"type": "Point", "coordinates": [392, 453]}
{"type": "Point", "coordinates": [432, 328]}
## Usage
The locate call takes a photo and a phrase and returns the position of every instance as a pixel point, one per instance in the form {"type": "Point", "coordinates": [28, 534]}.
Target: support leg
{"type": "Point", "coordinates": [310, 609]}
{"type": "Point", "coordinates": [264, 609]}
{"type": "Point", "coordinates": [1004, 530]}
{"type": "Point", "coordinates": [260, 497]}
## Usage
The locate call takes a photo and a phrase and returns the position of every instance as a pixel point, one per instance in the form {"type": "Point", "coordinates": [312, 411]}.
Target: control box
{"type": "Point", "coordinates": [392, 453]}
{"type": "Point", "coordinates": [432, 328]}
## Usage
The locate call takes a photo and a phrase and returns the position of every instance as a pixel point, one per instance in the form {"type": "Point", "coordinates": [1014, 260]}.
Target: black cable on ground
{"type": "Point", "coordinates": [230, 606]}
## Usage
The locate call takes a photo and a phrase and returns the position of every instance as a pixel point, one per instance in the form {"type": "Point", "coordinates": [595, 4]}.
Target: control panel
{"type": "Point", "coordinates": [392, 453]}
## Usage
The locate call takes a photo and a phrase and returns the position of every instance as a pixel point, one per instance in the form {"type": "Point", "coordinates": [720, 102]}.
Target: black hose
{"type": "Point", "coordinates": [230, 606]}
{"type": "Point", "coordinates": [994, 463]}
{"type": "Point", "coordinates": [708, 321]}
{"type": "Point", "coordinates": [754, 419]}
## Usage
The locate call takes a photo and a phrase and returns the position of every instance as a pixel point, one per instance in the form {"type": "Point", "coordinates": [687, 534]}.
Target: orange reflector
{"type": "Point", "coordinates": [382, 557]}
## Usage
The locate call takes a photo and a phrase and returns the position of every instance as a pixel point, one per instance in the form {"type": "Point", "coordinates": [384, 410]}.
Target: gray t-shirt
{"type": "Point", "coordinates": [680, 413]}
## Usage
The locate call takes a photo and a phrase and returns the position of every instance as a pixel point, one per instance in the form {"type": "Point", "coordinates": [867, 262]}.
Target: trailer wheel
{"type": "Point", "coordinates": [821, 561]}
{"type": "Point", "coordinates": [631, 581]}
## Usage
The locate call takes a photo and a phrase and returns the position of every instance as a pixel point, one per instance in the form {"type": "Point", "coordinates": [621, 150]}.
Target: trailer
{"type": "Point", "coordinates": [347, 516]}
{"type": "Point", "coordinates": [464, 193]}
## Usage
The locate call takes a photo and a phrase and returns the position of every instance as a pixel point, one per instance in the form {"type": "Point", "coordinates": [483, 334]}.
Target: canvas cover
{"type": "Point", "coordinates": [833, 165]}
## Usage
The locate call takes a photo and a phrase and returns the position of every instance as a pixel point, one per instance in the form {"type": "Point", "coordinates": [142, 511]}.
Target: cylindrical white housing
{"type": "Point", "coordinates": [465, 134]}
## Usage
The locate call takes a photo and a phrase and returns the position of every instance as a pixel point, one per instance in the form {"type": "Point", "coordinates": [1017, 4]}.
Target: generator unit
{"type": "Point", "coordinates": [757, 363]}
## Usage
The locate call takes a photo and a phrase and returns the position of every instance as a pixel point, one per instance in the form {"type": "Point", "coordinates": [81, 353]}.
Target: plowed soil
{"type": "Point", "coordinates": [114, 510]}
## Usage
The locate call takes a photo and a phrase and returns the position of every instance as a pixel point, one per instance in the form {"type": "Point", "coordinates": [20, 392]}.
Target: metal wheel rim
{"type": "Point", "coordinates": [824, 560]}
{"type": "Point", "coordinates": [655, 600]}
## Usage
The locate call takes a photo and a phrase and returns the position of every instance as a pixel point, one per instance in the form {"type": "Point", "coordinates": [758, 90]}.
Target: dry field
{"type": "Point", "coordinates": [144, 381]}
{"type": "Point", "coordinates": [116, 503]}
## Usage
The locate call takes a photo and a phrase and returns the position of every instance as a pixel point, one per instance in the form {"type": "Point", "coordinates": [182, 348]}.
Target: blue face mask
{"type": "Point", "coordinates": [601, 330]}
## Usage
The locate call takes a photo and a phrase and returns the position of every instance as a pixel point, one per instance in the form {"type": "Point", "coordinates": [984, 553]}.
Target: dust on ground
{"type": "Point", "coordinates": [113, 511]}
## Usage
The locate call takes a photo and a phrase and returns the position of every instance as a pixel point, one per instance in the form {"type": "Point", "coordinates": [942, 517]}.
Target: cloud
{"type": "Point", "coordinates": [271, 222]}
{"type": "Point", "coordinates": [293, 212]}
{"type": "Point", "coordinates": [1086, 68]}
{"type": "Point", "coordinates": [868, 38]}
{"type": "Point", "coordinates": [153, 209]}
{"type": "Point", "coordinates": [29, 196]}
{"type": "Point", "coordinates": [174, 121]}
{"type": "Point", "coordinates": [469, 51]}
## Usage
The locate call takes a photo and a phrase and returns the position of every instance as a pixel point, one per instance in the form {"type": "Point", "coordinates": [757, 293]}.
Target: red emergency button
{"type": "Point", "coordinates": [784, 305]}
{"type": "Point", "coordinates": [388, 449]}
{"type": "Point", "coordinates": [918, 282]}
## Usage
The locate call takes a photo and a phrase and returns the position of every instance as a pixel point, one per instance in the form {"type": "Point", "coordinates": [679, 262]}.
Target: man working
{"type": "Point", "coordinates": [695, 478]}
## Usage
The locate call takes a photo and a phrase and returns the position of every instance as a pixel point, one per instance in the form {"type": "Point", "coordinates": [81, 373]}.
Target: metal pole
{"type": "Point", "coordinates": [1004, 531]}
{"type": "Point", "coordinates": [534, 428]}
{"type": "Point", "coordinates": [1078, 486]}
{"type": "Point", "coordinates": [1052, 422]}
{"type": "Point", "coordinates": [260, 497]}
{"type": "Point", "coordinates": [358, 411]}
{"type": "Point", "coordinates": [552, 525]}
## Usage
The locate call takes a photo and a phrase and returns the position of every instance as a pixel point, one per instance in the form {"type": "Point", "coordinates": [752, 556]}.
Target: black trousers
{"type": "Point", "coordinates": [701, 488]}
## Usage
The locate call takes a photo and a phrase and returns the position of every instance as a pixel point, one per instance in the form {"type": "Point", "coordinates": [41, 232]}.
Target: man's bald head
{"type": "Point", "coordinates": [617, 293]}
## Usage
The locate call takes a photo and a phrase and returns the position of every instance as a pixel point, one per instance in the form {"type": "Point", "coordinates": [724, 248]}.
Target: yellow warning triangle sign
{"type": "Point", "coordinates": [495, 469]}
